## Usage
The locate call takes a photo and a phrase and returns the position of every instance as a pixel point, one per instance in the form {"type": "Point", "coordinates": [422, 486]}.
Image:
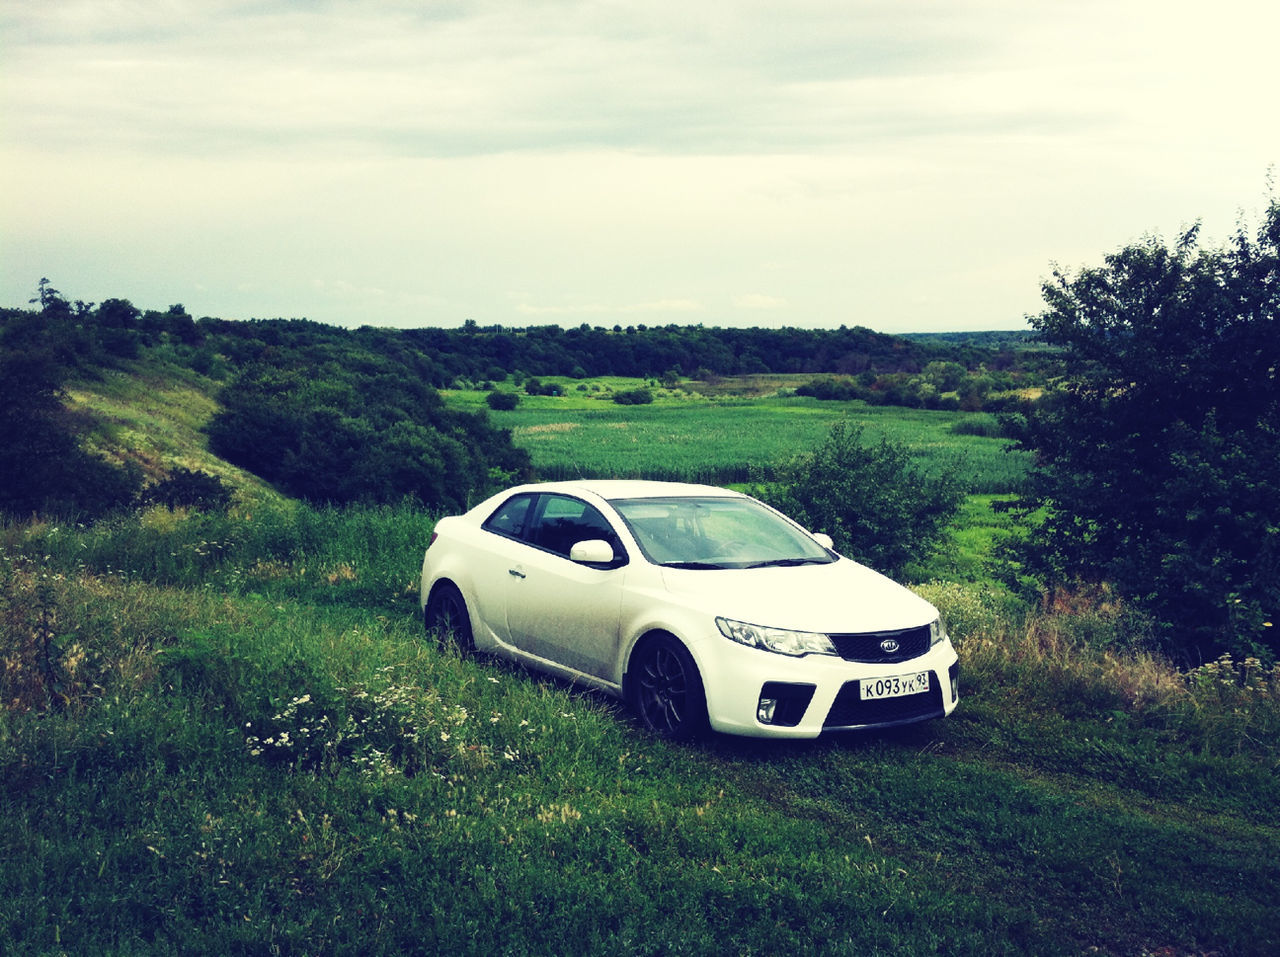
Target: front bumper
{"type": "Point", "coordinates": [761, 694]}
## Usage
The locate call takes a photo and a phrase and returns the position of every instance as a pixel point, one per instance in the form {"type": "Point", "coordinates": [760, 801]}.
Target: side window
{"type": "Point", "coordinates": [563, 522]}
{"type": "Point", "coordinates": [509, 519]}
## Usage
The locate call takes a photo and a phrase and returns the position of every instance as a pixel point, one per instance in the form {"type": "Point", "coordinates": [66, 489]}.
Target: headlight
{"type": "Point", "coordinates": [779, 640]}
{"type": "Point", "coordinates": [937, 632]}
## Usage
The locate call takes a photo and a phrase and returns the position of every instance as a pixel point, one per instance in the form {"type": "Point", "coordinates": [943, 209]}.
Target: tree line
{"type": "Point", "coordinates": [337, 415]}
{"type": "Point", "coordinates": [470, 354]}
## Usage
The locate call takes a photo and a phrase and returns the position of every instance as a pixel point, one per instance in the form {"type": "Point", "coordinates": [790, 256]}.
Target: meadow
{"type": "Point", "coordinates": [229, 734]}
{"type": "Point", "coordinates": [727, 440]}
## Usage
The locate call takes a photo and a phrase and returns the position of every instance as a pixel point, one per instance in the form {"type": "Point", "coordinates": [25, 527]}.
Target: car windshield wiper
{"type": "Point", "coordinates": [788, 562]}
{"type": "Point", "coordinates": [696, 565]}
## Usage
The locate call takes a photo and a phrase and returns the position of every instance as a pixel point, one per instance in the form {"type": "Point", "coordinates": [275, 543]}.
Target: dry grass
{"type": "Point", "coordinates": [1086, 654]}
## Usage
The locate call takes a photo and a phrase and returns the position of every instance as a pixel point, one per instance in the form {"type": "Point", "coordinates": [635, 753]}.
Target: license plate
{"type": "Point", "coordinates": [897, 686]}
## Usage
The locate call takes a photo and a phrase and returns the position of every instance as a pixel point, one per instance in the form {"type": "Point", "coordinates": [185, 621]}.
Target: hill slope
{"type": "Point", "coordinates": [152, 414]}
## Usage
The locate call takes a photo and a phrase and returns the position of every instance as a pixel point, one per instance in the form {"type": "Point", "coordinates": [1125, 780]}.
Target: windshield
{"type": "Point", "coordinates": [712, 532]}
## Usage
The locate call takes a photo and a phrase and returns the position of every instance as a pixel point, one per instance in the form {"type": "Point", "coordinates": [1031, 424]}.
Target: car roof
{"type": "Point", "coordinates": [612, 489]}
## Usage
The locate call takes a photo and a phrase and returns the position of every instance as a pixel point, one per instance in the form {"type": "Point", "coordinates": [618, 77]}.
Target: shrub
{"type": "Point", "coordinates": [338, 436]}
{"type": "Point", "coordinates": [538, 387]}
{"type": "Point", "coordinates": [43, 467]}
{"type": "Point", "coordinates": [184, 488]}
{"type": "Point", "coordinates": [834, 390]}
{"type": "Point", "coordinates": [875, 503]}
{"type": "Point", "coordinates": [1155, 454]}
{"type": "Point", "coordinates": [502, 401]}
{"type": "Point", "coordinates": [633, 397]}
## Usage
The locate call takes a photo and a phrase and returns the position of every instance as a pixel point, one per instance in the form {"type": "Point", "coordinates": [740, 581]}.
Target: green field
{"type": "Point", "coordinates": [229, 735]}
{"type": "Point", "coordinates": [727, 441]}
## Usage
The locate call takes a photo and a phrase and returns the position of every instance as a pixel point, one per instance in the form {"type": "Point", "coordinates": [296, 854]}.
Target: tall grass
{"type": "Point", "coordinates": [1094, 662]}
{"type": "Point", "coordinates": [253, 751]}
{"type": "Point", "coordinates": [360, 556]}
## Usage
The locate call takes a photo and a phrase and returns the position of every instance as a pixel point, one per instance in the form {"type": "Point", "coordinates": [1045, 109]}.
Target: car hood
{"type": "Point", "coordinates": [841, 597]}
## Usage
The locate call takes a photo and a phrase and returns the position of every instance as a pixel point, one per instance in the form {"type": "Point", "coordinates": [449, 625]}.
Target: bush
{"type": "Point", "coordinates": [184, 488]}
{"type": "Point", "coordinates": [1155, 455]}
{"type": "Point", "coordinates": [633, 397]}
{"type": "Point", "coordinates": [832, 390]}
{"type": "Point", "coordinates": [502, 401]}
{"type": "Point", "coordinates": [537, 387]}
{"type": "Point", "coordinates": [876, 504]}
{"type": "Point", "coordinates": [43, 467]}
{"type": "Point", "coordinates": [331, 435]}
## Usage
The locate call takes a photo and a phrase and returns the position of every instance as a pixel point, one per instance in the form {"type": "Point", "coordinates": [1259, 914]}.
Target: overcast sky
{"type": "Point", "coordinates": [916, 165]}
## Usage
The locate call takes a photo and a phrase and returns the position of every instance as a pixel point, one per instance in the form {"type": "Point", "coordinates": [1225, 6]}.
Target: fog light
{"type": "Point", "coordinates": [782, 703]}
{"type": "Point", "coordinates": [955, 682]}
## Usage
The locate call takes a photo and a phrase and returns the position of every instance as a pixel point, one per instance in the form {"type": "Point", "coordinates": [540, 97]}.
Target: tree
{"type": "Point", "coordinates": [331, 433]}
{"type": "Point", "coordinates": [876, 504]}
{"type": "Point", "coordinates": [43, 468]}
{"type": "Point", "coordinates": [117, 328]}
{"type": "Point", "coordinates": [1156, 457]}
{"type": "Point", "coordinates": [52, 304]}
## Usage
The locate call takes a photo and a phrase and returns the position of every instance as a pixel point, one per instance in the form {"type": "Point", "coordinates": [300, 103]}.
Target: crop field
{"type": "Point", "coordinates": [734, 440]}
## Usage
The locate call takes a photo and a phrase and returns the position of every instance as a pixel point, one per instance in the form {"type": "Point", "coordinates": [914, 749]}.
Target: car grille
{"type": "Point", "coordinates": [867, 647]}
{"type": "Point", "coordinates": [850, 711]}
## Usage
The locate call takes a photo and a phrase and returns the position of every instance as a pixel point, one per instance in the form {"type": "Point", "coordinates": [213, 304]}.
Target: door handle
{"type": "Point", "coordinates": [515, 573]}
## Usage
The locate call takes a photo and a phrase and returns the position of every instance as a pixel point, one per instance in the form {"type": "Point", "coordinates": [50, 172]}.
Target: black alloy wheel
{"type": "Point", "coordinates": [666, 690]}
{"type": "Point", "coordinates": [446, 616]}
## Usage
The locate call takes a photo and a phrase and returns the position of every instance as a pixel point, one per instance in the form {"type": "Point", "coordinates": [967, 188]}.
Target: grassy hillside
{"type": "Point", "coordinates": [151, 414]}
{"type": "Point", "coordinates": [228, 734]}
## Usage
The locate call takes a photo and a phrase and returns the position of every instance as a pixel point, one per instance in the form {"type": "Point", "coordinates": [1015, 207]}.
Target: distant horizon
{"type": "Point", "coordinates": [611, 327]}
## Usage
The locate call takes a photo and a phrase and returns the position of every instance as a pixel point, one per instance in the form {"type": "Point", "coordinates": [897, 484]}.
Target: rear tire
{"type": "Point", "coordinates": [665, 690]}
{"type": "Point", "coordinates": [446, 617]}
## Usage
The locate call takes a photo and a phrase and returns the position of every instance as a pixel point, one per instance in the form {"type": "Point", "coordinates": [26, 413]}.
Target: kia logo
{"type": "Point", "coordinates": [889, 645]}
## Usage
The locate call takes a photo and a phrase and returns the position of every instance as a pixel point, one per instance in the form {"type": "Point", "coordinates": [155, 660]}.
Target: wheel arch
{"type": "Point", "coordinates": [692, 689]}
{"type": "Point", "coordinates": [646, 637]}
{"type": "Point", "coordinates": [445, 586]}
{"type": "Point", "coordinates": [438, 585]}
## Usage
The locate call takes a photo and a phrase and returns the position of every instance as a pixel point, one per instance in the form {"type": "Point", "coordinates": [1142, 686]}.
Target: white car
{"type": "Point", "coordinates": [701, 607]}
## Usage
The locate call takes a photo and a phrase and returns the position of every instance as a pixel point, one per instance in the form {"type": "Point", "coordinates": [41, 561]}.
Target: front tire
{"type": "Point", "coordinates": [665, 689]}
{"type": "Point", "coordinates": [446, 617]}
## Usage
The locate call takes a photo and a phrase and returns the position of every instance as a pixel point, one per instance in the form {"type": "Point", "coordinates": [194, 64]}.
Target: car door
{"type": "Point", "coordinates": [498, 563]}
{"type": "Point", "coordinates": [561, 610]}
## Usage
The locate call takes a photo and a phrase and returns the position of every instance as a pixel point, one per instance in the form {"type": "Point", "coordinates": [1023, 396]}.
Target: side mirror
{"type": "Point", "coordinates": [593, 551]}
{"type": "Point", "coordinates": [823, 539]}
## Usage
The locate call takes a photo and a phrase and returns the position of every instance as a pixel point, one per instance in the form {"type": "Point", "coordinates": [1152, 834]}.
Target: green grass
{"type": "Point", "coordinates": [973, 540]}
{"type": "Point", "coordinates": [722, 441]}
{"type": "Point", "coordinates": [250, 749]}
{"type": "Point", "coordinates": [228, 734]}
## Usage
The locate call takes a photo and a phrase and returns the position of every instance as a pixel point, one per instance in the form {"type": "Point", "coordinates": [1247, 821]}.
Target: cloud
{"type": "Point", "coordinates": [906, 165]}
{"type": "Point", "coordinates": [458, 80]}
{"type": "Point", "coordinates": [600, 309]}
{"type": "Point", "coordinates": [758, 300]}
